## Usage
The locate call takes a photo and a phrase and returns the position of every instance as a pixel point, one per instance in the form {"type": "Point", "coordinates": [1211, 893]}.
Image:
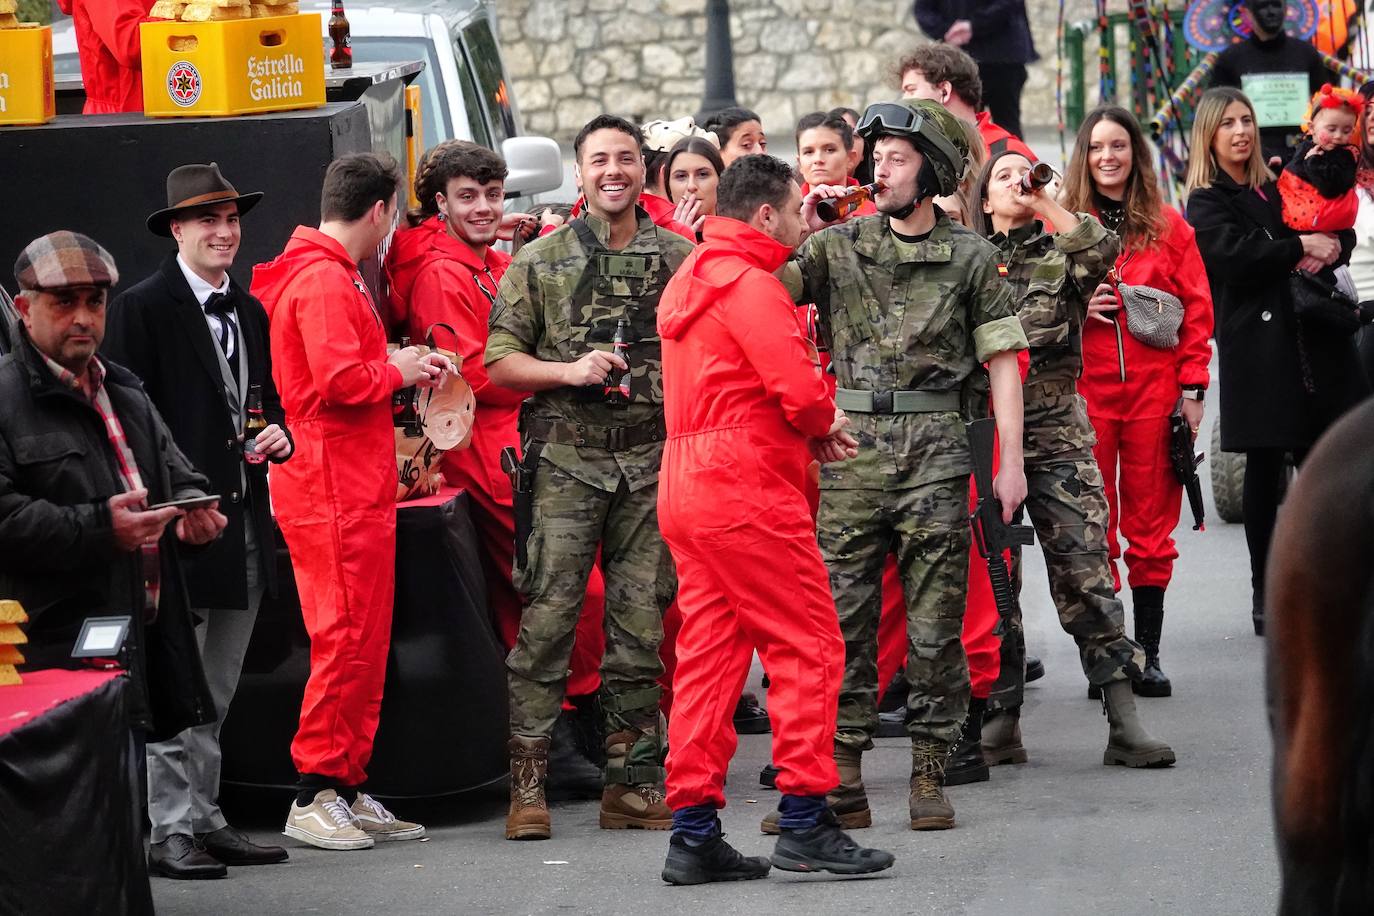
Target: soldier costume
{"type": "Point", "coordinates": [1052, 277]}
{"type": "Point", "coordinates": [594, 469]}
{"type": "Point", "coordinates": [908, 326]}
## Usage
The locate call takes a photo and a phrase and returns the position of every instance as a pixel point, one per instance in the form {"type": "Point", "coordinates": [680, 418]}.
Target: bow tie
{"type": "Point", "coordinates": [219, 303]}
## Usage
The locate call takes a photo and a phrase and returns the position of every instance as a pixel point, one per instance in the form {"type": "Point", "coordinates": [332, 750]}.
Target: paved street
{"type": "Point", "coordinates": [1059, 836]}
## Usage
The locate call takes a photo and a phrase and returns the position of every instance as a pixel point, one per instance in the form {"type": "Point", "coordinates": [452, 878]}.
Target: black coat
{"type": "Point", "coordinates": [1001, 30]}
{"type": "Point", "coordinates": [157, 329]}
{"type": "Point", "coordinates": [58, 555]}
{"type": "Point", "coordinates": [1249, 254]}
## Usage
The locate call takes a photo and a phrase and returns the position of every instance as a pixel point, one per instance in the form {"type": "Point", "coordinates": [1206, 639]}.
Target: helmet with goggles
{"type": "Point", "coordinates": [934, 132]}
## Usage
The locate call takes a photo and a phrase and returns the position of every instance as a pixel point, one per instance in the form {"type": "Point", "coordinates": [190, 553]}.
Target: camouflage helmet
{"type": "Point", "coordinates": [931, 129]}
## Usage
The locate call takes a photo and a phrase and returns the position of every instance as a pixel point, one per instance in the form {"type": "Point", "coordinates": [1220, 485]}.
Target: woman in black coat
{"type": "Point", "coordinates": [1282, 384]}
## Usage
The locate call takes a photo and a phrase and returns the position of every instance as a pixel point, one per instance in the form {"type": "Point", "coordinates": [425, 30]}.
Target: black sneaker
{"type": "Point", "coordinates": [1035, 668]}
{"type": "Point", "coordinates": [826, 847]}
{"type": "Point", "coordinates": [768, 776]}
{"type": "Point", "coordinates": [714, 860]}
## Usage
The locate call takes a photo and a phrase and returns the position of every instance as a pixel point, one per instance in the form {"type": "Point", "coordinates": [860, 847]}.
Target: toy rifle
{"type": "Point", "coordinates": [1185, 463]}
{"type": "Point", "coordinates": [991, 535]}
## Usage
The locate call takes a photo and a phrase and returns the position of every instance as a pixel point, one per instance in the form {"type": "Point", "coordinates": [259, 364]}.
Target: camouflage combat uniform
{"type": "Point", "coordinates": [596, 484]}
{"type": "Point", "coordinates": [909, 323]}
{"type": "Point", "coordinates": [1052, 278]}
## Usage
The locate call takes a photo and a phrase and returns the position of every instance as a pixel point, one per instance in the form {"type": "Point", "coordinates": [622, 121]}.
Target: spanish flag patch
{"type": "Point", "coordinates": [1002, 271]}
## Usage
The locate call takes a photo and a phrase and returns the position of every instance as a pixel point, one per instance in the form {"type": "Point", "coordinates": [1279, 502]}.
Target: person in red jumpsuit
{"type": "Point", "coordinates": [107, 41]}
{"type": "Point", "coordinates": [746, 410]}
{"type": "Point", "coordinates": [336, 502]}
{"type": "Point", "coordinates": [1131, 387]}
{"type": "Point", "coordinates": [444, 270]}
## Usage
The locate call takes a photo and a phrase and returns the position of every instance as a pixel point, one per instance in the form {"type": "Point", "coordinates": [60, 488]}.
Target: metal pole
{"type": "Point", "coordinates": [720, 61]}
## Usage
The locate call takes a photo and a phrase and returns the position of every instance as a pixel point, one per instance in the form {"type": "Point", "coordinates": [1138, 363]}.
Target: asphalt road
{"type": "Point", "coordinates": [1061, 835]}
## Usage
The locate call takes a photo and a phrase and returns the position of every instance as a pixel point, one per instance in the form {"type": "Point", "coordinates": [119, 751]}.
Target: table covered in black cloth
{"type": "Point", "coordinates": [443, 722]}
{"type": "Point", "coordinates": [71, 837]}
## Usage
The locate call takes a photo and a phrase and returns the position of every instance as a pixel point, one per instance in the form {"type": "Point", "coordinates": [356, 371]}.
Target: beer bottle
{"type": "Point", "coordinates": [1040, 174]}
{"type": "Point", "coordinates": [252, 426]}
{"type": "Point", "coordinates": [341, 57]}
{"type": "Point", "coordinates": [617, 391]}
{"type": "Point", "coordinates": [403, 410]}
{"type": "Point", "coordinates": [834, 208]}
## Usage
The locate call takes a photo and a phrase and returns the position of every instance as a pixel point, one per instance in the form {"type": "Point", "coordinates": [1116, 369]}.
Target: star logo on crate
{"type": "Point", "coordinates": [183, 84]}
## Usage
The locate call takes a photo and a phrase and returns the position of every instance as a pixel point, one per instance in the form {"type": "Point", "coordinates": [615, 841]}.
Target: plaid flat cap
{"type": "Point", "coordinates": [62, 259]}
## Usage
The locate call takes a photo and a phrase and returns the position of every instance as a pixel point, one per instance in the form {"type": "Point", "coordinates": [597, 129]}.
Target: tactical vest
{"type": "Point", "coordinates": [616, 284]}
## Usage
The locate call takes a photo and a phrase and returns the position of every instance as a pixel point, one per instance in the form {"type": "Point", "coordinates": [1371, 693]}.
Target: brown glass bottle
{"type": "Point", "coordinates": [617, 391]}
{"type": "Point", "coordinates": [341, 55]}
{"type": "Point", "coordinates": [833, 208]}
{"type": "Point", "coordinates": [255, 424]}
{"type": "Point", "coordinates": [1040, 174]}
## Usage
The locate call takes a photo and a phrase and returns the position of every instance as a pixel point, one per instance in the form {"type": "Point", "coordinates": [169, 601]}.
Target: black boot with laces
{"type": "Point", "coordinates": [825, 847]}
{"type": "Point", "coordinates": [713, 860]}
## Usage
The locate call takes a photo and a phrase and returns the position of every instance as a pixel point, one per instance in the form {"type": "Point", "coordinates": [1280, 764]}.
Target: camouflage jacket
{"type": "Point", "coordinates": [551, 305]}
{"type": "Point", "coordinates": [1052, 277]}
{"type": "Point", "coordinates": [899, 316]}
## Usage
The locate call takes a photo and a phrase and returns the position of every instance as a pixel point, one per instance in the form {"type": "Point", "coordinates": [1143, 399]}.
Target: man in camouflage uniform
{"type": "Point", "coordinates": [593, 455]}
{"type": "Point", "coordinates": [912, 305]}
{"type": "Point", "coordinates": [1052, 277]}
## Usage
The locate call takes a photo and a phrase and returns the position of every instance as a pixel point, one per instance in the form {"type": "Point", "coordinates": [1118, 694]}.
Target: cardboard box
{"type": "Point", "coordinates": [200, 69]}
{"type": "Point", "coordinates": [26, 89]}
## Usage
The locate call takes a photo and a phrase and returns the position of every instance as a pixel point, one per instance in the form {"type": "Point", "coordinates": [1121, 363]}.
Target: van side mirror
{"type": "Point", "coordinates": [535, 164]}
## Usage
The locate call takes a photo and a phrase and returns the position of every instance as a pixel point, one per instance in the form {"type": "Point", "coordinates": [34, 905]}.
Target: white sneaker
{"type": "Point", "coordinates": [381, 824]}
{"type": "Point", "coordinates": [327, 823]}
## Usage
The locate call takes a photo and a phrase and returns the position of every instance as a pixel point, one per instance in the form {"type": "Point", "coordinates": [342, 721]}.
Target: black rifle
{"type": "Point", "coordinates": [991, 535]}
{"type": "Point", "coordinates": [522, 492]}
{"type": "Point", "coordinates": [1185, 463]}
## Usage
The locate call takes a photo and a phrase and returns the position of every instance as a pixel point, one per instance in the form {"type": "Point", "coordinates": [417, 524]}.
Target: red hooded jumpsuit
{"type": "Point", "coordinates": [107, 42]}
{"type": "Point", "coordinates": [433, 277]}
{"type": "Point", "coordinates": [743, 395]}
{"type": "Point", "coordinates": [1132, 390]}
{"type": "Point", "coordinates": [336, 501]}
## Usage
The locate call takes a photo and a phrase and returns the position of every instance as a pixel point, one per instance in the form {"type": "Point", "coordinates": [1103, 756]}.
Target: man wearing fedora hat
{"type": "Point", "coordinates": [199, 341]}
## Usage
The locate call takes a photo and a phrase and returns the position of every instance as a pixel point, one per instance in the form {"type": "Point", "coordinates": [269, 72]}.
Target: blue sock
{"type": "Point", "coordinates": [800, 812]}
{"type": "Point", "coordinates": [696, 824]}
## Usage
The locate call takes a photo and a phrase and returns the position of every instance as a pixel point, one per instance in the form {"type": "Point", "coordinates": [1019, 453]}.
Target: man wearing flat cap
{"type": "Point", "coordinates": [199, 342]}
{"type": "Point", "coordinates": [84, 462]}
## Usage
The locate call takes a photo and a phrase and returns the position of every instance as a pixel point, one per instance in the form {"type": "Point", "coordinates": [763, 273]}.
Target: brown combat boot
{"type": "Point", "coordinates": [636, 800]}
{"type": "Point", "coordinates": [849, 801]}
{"type": "Point", "coordinates": [1002, 737]}
{"type": "Point", "coordinates": [528, 818]}
{"type": "Point", "coordinates": [930, 810]}
{"type": "Point", "coordinates": [1128, 744]}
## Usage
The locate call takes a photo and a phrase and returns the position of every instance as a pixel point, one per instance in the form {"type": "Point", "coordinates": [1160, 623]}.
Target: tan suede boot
{"type": "Point", "coordinates": [849, 801]}
{"type": "Point", "coordinates": [528, 818]}
{"type": "Point", "coordinates": [636, 801]}
{"type": "Point", "coordinates": [1002, 737]}
{"type": "Point", "coordinates": [930, 810]}
{"type": "Point", "coordinates": [1128, 744]}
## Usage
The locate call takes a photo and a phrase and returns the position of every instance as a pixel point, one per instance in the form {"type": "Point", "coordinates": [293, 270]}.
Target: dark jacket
{"type": "Point", "coordinates": [58, 555]}
{"type": "Point", "coordinates": [1249, 255]}
{"type": "Point", "coordinates": [1280, 54]}
{"type": "Point", "coordinates": [1001, 31]}
{"type": "Point", "coordinates": [157, 330]}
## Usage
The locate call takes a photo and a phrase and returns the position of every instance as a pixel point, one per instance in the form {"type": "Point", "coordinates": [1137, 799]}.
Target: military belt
{"type": "Point", "coordinates": [887, 402]}
{"type": "Point", "coordinates": [611, 438]}
{"type": "Point", "coordinates": [1051, 387]}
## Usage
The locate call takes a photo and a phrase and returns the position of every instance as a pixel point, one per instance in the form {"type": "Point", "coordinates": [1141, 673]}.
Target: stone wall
{"type": "Point", "coordinates": [570, 60]}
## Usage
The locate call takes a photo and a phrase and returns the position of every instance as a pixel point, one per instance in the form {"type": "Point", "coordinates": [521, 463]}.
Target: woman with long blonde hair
{"type": "Point", "coordinates": [1282, 382]}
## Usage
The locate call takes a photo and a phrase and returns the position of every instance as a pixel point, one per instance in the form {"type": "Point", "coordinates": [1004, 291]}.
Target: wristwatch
{"type": "Point", "coordinates": [1195, 393]}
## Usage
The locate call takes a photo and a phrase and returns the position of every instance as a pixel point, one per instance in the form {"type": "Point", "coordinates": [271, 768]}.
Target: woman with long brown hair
{"type": "Point", "coordinates": [1132, 386]}
{"type": "Point", "coordinates": [1282, 382]}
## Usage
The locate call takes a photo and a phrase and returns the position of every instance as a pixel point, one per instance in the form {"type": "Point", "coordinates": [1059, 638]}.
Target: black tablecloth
{"type": "Point", "coordinates": [443, 722]}
{"type": "Point", "coordinates": [71, 838]}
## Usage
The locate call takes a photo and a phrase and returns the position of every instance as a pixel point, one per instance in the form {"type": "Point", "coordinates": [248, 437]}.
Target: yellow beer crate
{"type": "Point", "coordinates": [241, 66]}
{"type": "Point", "coordinates": [26, 92]}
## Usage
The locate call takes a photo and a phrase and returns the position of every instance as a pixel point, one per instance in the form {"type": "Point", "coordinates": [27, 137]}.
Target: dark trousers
{"type": "Point", "coordinates": [1002, 84]}
{"type": "Point", "coordinates": [1266, 481]}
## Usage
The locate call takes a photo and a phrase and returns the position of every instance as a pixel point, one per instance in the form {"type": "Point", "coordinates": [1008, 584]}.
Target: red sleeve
{"type": "Point", "coordinates": [332, 317]}
{"type": "Point", "coordinates": [441, 293]}
{"type": "Point", "coordinates": [1194, 352]}
{"type": "Point", "coordinates": [773, 344]}
{"type": "Point", "coordinates": [116, 23]}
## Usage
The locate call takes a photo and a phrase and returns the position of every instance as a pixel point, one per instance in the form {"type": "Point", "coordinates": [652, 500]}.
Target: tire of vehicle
{"type": "Point", "coordinates": [1228, 480]}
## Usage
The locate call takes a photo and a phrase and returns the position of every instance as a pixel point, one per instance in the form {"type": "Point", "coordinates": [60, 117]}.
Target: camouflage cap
{"type": "Point", "coordinates": [63, 259]}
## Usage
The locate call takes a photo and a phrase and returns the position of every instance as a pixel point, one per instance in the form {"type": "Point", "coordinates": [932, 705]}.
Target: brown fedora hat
{"type": "Point", "coordinates": [191, 186]}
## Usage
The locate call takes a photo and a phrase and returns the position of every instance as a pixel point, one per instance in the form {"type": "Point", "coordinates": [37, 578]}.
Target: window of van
{"type": "Point", "coordinates": [491, 79]}
{"type": "Point", "coordinates": [434, 114]}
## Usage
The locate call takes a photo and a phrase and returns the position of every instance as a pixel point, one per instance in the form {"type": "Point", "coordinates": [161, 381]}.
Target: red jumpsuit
{"type": "Point", "coordinates": [433, 277]}
{"type": "Point", "coordinates": [1131, 390]}
{"type": "Point", "coordinates": [336, 499]}
{"type": "Point", "coordinates": [995, 138]}
{"type": "Point", "coordinates": [107, 42]}
{"type": "Point", "coordinates": [742, 396]}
